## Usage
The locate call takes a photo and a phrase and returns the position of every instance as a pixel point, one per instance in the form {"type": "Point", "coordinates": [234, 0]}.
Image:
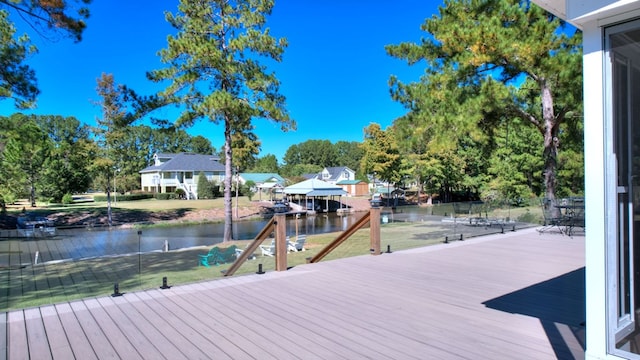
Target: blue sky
{"type": "Point", "coordinates": [334, 73]}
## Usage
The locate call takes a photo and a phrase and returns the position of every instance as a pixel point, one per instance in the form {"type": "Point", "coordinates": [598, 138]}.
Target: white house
{"type": "Point", "coordinates": [271, 183]}
{"type": "Point", "coordinates": [180, 171]}
{"type": "Point", "coordinates": [611, 63]}
{"type": "Point", "coordinates": [333, 175]}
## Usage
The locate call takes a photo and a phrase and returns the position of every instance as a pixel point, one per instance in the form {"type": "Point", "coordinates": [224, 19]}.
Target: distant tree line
{"type": "Point", "coordinates": [46, 157]}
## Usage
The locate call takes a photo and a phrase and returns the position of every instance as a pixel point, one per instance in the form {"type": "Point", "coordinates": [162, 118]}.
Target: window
{"type": "Point", "coordinates": [622, 59]}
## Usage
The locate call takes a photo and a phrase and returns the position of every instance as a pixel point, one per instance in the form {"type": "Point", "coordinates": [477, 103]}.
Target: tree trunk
{"type": "Point", "coordinates": [550, 134]}
{"type": "Point", "coordinates": [32, 195]}
{"type": "Point", "coordinates": [109, 218]}
{"type": "Point", "coordinates": [228, 215]}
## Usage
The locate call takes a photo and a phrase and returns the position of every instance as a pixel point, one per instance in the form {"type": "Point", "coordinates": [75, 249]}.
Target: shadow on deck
{"type": "Point", "coordinates": [567, 293]}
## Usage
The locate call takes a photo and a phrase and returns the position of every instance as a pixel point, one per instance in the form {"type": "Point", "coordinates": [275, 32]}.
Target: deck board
{"type": "Point", "coordinates": [78, 340]}
{"type": "Point", "coordinates": [514, 295]}
{"type": "Point", "coordinates": [36, 335]}
{"type": "Point", "coordinates": [18, 346]}
{"type": "Point", "coordinates": [57, 338]}
{"type": "Point", "coordinates": [141, 332]}
{"type": "Point", "coordinates": [197, 333]}
{"type": "Point", "coordinates": [119, 339]}
{"type": "Point", "coordinates": [161, 322]}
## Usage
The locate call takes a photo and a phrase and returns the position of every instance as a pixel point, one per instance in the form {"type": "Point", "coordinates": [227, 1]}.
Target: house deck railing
{"type": "Point", "coordinates": [63, 267]}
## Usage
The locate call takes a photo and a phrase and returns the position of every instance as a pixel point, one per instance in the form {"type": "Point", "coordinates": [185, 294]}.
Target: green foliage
{"type": "Point", "coordinates": [65, 17]}
{"type": "Point", "coordinates": [133, 197]}
{"type": "Point", "coordinates": [201, 145]}
{"type": "Point", "coordinates": [66, 170]}
{"type": "Point", "coordinates": [300, 169]}
{"type": "Point", "coordinates": [315, 152]}
{"type": "Point", "coordinates": [24, 155]}
{"type": "Point", "coordinates": [203, 184]}
{"type": "Point", "coordinates": [248, 189]}
{"type": "Point", "coordinates": [492, 60]}
{"type": "Point", "coordinates": [349, 154]}
{"type": "Point", "coordinates": [17, 80]}
{"type": "Point", "coordinates": [207, 189]}
{"type": "Point", "coordinates": [381, 154]}
{"type": "Point", "coordinates": [180, 194]}
{"type": "Point", "coordinates": [265, 164]}
{"type": "Point", "coordinates": [67, 199]}
{"type": "Point", "coordinates": [164, 196]}
{"type": "Point", "coordinates": [318, 154]}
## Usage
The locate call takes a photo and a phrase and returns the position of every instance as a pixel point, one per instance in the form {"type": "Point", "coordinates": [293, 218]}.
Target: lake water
{"type": "Point", "coordinates": [83, 243]}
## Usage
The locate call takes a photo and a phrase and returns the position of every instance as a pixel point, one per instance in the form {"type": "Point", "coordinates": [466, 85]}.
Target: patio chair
{"type": "Point", "coordinates": [228, 254]}
{"type": "Point", "coordinates": [268, 250]}
{"type": "Point", "coordinates": [552, 216]}
{"type": "Point", "coordinates": [239, 252]}
{"type": "Point", "coordinates": [299, 244]}
{"type": "Point", "coordinates": [575, 215]}
{"type": "Point", "coordinates": [210, 258]}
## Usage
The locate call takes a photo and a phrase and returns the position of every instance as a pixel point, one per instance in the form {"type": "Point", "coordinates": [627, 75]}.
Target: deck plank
{"type": "Point", "coordinates": [110, 329]}
{"type": "Point", "coordinates": [198, 334]}
{"type": "Point", "coordinates": [155, 316]}
{"type": "Point", "coordinates": [57, 338]}
{"type": "Point", "coordinates": [18, 346]}
{"type": "Point", "coordinates": [236, 328]}
{"type": "Point", "coordinates": [80, 344]}
{"type": "Point", "coordinates": [271, 339]}
{"type": "Point", "coordinates": [3, 336]}
{"type": "Point", "coordinates": [134, 330]}
{"type": "Point", "coordinates": [36, 335]}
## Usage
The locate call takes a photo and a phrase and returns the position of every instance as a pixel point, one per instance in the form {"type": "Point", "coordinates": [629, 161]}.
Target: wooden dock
{"type": "Point", "coordinates": [518, 295]}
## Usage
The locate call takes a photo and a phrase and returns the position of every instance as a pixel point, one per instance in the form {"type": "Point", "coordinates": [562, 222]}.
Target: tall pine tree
{"type": "Point", "coordinates": [214, 73]}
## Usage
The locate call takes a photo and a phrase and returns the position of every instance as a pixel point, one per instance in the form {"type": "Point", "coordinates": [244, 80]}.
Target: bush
{"type": "Point", "coordinates": [180, 194]}
{"type": "Point", "coordinates": [127, 197]}
{"type": "Point", "coordinates": [207, 189]}
{"type": "Point", "coordinates": [248, 189]}
{"type": "Point", "coordinates": [67, 199]}
{"type": "Point", "coordinates": [164, 196]}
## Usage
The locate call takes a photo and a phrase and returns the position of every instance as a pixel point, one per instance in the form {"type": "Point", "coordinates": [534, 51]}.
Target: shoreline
{"type": "Point", "coordinates": [70, 218]}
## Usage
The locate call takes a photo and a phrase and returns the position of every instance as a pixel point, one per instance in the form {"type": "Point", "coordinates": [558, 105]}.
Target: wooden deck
{"type": "Point", "coordinates": [518, 295]}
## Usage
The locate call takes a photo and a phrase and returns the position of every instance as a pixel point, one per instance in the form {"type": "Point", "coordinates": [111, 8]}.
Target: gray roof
{"type": "Point", "coordinates": [335, 172]}
{"type": "Point", "coordinates": [188, 162]}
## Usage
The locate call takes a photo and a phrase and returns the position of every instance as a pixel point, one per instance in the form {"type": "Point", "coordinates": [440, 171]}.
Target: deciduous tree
{"type": "Point", "coordinates": [380, 154]}
{"type": "Point", "coordinates": [26, 152]}
{"type": "Point", "coordinates": [492, 59]}
{"type": "Point", "coordinates": [66, 170]}
{"type": "Point", "coordinates": [266, 164]}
